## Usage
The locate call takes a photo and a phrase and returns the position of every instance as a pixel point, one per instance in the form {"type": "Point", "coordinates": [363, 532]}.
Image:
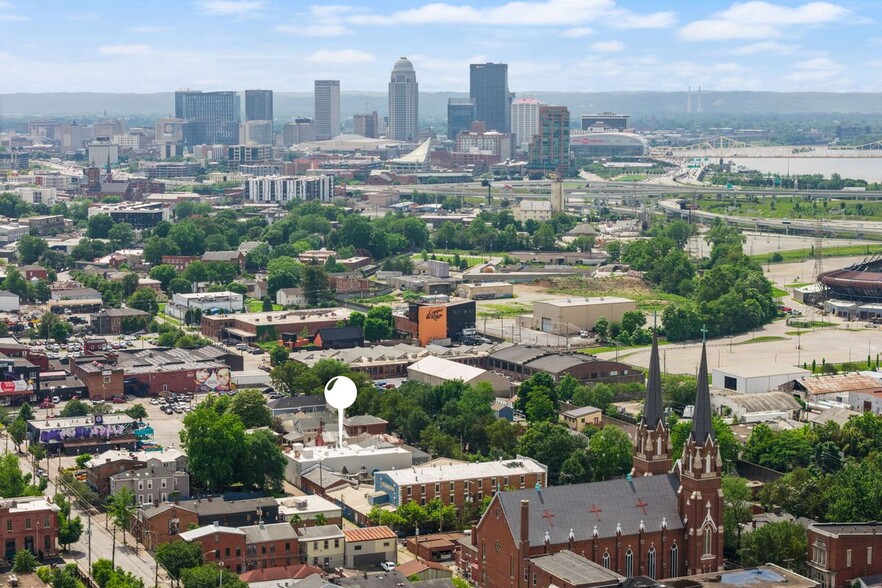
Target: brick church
{"type": "Point", "coordinates": [663, 520]}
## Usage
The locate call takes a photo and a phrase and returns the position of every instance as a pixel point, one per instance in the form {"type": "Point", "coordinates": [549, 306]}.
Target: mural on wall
{"type": "Point", "coordinates": [215, 380]}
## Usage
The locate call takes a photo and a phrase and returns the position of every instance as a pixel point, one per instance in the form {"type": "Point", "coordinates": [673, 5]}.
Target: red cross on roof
{"type": "Point", "coordinates": [548, 516]}
{"type": "Point", "coordinates": [596, 510]}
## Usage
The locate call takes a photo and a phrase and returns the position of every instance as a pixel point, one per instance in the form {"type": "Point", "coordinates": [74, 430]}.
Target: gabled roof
{"type": "Point", "coordinates": [340, 333]}
{"type": "Point", "coordinates": [209, 530]}
{"type": "Point", "coordinates": [604, 505]}
{"type": "Point", "coordinates": [369, 534]}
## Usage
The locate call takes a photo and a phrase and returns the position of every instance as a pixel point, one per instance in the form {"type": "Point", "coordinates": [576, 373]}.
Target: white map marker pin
{"type": "Point", "coordinates": [340, 393]}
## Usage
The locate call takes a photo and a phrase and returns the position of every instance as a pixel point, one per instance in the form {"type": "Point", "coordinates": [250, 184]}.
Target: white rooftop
{"type": "Point", "coordinates": [444, 368]}
{"type": "Point", "coordinates": [209, 530]}
{"type": "Point", "coordinates": [586, 301]}
{"type": "Point", "coordinates": [428, 474]}
{"type": "Point", "coordinates": [762, 370]}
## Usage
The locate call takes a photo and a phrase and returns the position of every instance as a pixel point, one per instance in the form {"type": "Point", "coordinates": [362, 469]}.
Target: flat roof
{"type": "Point", "coordinates": [286, 317]}
{"type": "Point", "coordinates": [575, 569]}
{"type": "Point", "coordinates": [427, 474]}
{"type": "Point", "coordinates": [446, 369]}
{"type": "Point", "coordinates": [601, 300]}
{"type": "Point", "coordinates": [66, 423]}
{"type": "Point", "coordinates": [321, 532]}
{"type": "Point", "coordinates": [762, 370]}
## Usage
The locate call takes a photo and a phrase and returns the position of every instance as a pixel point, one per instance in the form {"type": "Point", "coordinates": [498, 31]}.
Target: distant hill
{"type": "Point", "coordinates": [433, 105]}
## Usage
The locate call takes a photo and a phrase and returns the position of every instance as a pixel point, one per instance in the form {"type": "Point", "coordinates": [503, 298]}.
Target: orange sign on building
{"type": "Point", "coordinates": [432, 321]}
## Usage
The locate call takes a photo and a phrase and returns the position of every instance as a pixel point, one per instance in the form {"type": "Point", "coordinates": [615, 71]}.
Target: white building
{"type": "Point", "coordinates": [290, 297]}
{"type": "Point", "coordinates": [33, 195]}
{"type": "Point", "coordinates": [206, 302]}
{"type": "Point", "coordinates": [537, 210]}
{"type": "Point", "coordinates": [351, 457]}
{"type": "Point", "coordinates": [403, 102]}
{"type": "Point", "coordinates": [103, 152]}
{"type": "Point", "coordinates": [489, 142]}
{"type": "Point", "coordinates": [755, 378]}
{"type": "Point", "coordinates": [436, 371]}
{"type": "Point", "coordinates": [12, 232]}
{"type": "Point", "coordinates": [8, 301]}
{"type": "Point", "coordinates": [525, 120]}
{"type": "Point", "coordinates": [283, 189]}
{"type": "Point", "coordinates": [131, 142]}
{"type": "Point", "coordinates": [307, 508]}
{"type": "Point", "coordinates": [866, 401]}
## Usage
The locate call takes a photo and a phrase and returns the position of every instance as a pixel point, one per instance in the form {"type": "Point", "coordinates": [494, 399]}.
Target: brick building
{"type": "Point", "coordinates": [179, 262]}
{"type": "Point", "coordinates": [89, 434]}
{"type": "Point", "coordinates": [458, 484]}
{"type": "Point", "coordinates": [658, 522]}
{"type": "Point", "coordinates": [102, 378]}
{"type": "Point", "coordinates": [30, 523]}
{"type": "Point", "coordinates": [365, 423]}
{"type": "Point", "coordinates": [114, 321]}
{"type": "Point", "coordinates": [840, 553]}
{"type": "Point", "coordinates": [271, 326]}
{"type": "Point", "coordinates": [519, 362]}
{"type": "Point", "coordinates": [565, 569]}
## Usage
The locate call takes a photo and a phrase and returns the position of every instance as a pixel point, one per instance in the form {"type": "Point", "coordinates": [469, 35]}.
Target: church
{"type": "Point", "coordinates": [663, 520]}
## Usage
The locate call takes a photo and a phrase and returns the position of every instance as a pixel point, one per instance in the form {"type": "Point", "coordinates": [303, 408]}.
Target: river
{"type": "Point", "coordinates": [857, 168]}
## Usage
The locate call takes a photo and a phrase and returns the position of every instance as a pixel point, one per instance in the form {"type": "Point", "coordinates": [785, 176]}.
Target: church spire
{"type": "Point", "coordinates": [702, 425]}
{"type": "Point", "coordinates": [653, 410]}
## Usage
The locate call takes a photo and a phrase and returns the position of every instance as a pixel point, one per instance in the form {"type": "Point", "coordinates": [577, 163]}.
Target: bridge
{"type": "Point", "coordinates": [726, 147]}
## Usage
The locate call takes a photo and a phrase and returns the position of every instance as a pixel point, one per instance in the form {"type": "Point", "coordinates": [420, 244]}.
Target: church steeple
{"type": "Point", "coordinates": [702, 424]}
{"type": "Point", "coordinates": [652, 441]}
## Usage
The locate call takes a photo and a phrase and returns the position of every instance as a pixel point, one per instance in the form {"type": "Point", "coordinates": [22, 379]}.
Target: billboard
{"type": "Point", "coordinates": [214, 380]}
{"type": "Point", "coordinates": [432, 323]}
{"type": "Point", "coordinates": [14, 387]}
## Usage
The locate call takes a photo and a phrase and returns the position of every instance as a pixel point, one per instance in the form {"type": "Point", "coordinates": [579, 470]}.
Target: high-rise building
{"type": "Point", "coordinates": [211, 117]}
{"type": "Point", "coordinates": [550, 147]}
{"type": "Point", "coordinates": [302, 130]}
{"type": "Point", "coordinates": [327, 109]}
{"type": "Point", "coordinates": [256, 132]}
{"type": "Point", "coordinates": [610, 120]}
{"type": "Point", "coordinates": [488, 89]}
{"type": "Point", "coordinates": [525, 120]}
{"type": "Point", "coordinates": [403, 102]}
{"type": "Point", "coordinates": [367, 125]}
{"type": "Point", "coordinates": [460, 115]}
{"type": "Point", "coordinates": [259, 105]}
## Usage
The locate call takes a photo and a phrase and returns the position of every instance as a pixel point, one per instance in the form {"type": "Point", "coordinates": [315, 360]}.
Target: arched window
{"type": "Point", "coordinates": [605, 560]}
{"type": "Point", "coordinates": [629, 563]}
{"type": "Point", "coordinates": [674, 563]}
{"type": "Point", "coordinates": [650, 562]}
{"type": "Point", "coordinates": [708, 534]}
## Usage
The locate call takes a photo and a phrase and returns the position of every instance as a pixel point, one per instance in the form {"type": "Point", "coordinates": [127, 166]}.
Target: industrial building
{"type": "Point", "coordinates": [570, 316]}
{"type": "Point", "coordinates": [429, 320]}
{"type": "Point", "coordinates": [435, 371]}
{"type": "Point", "coordinates": [485, 291]}
{"type": "Point", "coordinates": [756, 378]}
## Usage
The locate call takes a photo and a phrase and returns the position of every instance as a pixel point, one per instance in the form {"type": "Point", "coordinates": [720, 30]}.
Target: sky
{"type": "Point", "coordinates": [550, 45]}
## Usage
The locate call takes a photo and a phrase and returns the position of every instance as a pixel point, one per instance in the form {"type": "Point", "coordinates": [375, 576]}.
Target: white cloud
{"type": "Point", "coordinates": [342, 57]}
{"type": "Point", "coordinates": [125, 50]}
{"type": "Point", "coordinates": [577, 32]}
{"type": "Point", "coordinates": [757, 20]}
{"type": "Point", "coordinates": [231, 7]}
{"type": "Point", "coordinates": [318, 30]}
{"type": "Point", "coordinates": [816, 69]}
{"type": "Point", "coordinates": [519, 13]}
{"type": "Point", "coordinates": [149, 29]}
{"type": "Point", "coordinates": [608, 46]}
{"type": "Point", "coordinates": [12, 18]}
{"type": "Point", "coordinates": [769, 47]}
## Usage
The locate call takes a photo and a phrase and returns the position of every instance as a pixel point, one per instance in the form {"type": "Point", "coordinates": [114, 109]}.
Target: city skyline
{"type": "Point", "coordinates": [596, 45]}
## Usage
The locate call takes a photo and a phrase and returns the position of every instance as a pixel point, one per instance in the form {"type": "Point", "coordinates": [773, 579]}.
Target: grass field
{"type": "Point", "coordinates": [255, 305]}
{"type": "Point", "coordinates": [803, 254]}
{"type": "Point", "coordinates": [471, 260]}
{"type": "Point", "coordinates": [778, 293]}
{"type": "Point", "coordinates": [509, 310]}
{"type": "Point", "coordinates": [763, 339]}
{"type": "Point", "coordinates": [634, 288]}
{"type": "Point", "coordinates": [795, 208]}
{"type": "Point", "coordinates": [797, 285]}
{"type": "Point", "coordinates": [631, 178]}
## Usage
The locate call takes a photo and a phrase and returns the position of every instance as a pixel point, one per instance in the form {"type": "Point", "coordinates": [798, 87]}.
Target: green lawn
{"type": "Point", "coordinates": [509, 310]}
{"type": "Point", "coordinates": [810, 324]}
{"type": "Point", "coordinates": [471, 260]}
{"type": "Point", "coordinates": [793, 208]}
{"type": "Point", "coordinates": [763, 339]}
{"type": "Point", "coordinates": [778, 293]}
{"type": "Point", "coordinates": [802, 254]}
{"type": "Point", "coordinates": [798, 285]}
{"type": "Point", "coordinates": [631, 178]}
{"type": "Point", "coordinates": [255, 305]}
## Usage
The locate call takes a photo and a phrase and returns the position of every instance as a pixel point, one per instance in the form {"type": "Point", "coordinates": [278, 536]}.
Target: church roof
{"type": "Point", "coordinates": [702, 425]}
{"type": "Point", "coordinates": [653, 409]}
{"type": "Point", "coordinates": [581, 507]}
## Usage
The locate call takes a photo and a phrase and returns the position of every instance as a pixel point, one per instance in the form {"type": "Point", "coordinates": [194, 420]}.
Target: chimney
{"type": "Point", "coordinates": [525, 528]}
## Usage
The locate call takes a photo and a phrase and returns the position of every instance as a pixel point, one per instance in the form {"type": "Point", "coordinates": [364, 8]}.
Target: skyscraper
{"type": "Point", "coordinates": [327, 109]}
{"type": "Point", "coordinates": [550, 147]}
{"type": "Point", "coordinates": [259, 105]}
{"type": "Point", "coordinates": [211, 117]}
{"type": "Point", "coordinates": [403, 102]}
{"type": "Point", "coordinates": [488, 89]}
{"type": "Point", "coordinates": [366, 125]}
{"type": "Point", "coordinates": [460, 115]}
{"type": "Point", "coordinates": [525, 120]}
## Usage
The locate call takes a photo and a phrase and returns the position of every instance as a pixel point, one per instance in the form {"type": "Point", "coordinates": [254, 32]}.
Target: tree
{"type": "Point", "coordinates": [178, 556]}
{"type": "Point", "coordinates": [75, 408]}
{"type": "Point", "coordinates": [24, 562]}
{"type": "Point", "coordinates": [179, 286]}
{"type": "Point", "coordinates": [156, 247]}
{"type": "Point", "coordinates": [163, 272]}
{"type": "Point", "coordinates": [279, 354]}
{"type": "Point", "coordinates": [264, 462]}
{"type": "Point", "coordinates": [502, 438]}
{"type": "Point", "coordinates": [211, 576]}
{"type": "Point", "coordinates": [315, 284]}
{"type": "Point", "coordinates": [99, 226]}
{"type": "Point", "coordinates": [214, 443]}
{"type": "Point", "coordinates": [17, 431]}
{"type": "Point", "coordinates": [26, 412]}
{"type": "Point", "coordinates": [611, 453]}
{"type": "Point", "coordinates": [130, 283]}
{"type": "Point", "coordinates": [121, 509]}
{"type": "Point", "coordinates": [121, 235]}
{"type": "Point", "coordinates": [550, 444]}
{"type": "Point", "coordinates": [736, 510]}
{"type": "Point", "coordinates": [69, 531]}
{"type": "Point", "coordinates": [31, 248]}
{"type": "Point", "coordinates": [250, 406]}
{"type": "Point", "coordinates": [144, 299]}
{"type": "Point", "coordinates": [137, 411]}
{"type": "Point", "coordinates": [102, 570]}
{"type": "Point", "coordinates": [540, 407]}
{"type": "Point", "coordinates": [782, 544]}
{"type": "Point", "coordinates": [375, 330]}
{"type": "Point", "coordinates": [576, 468]}
{"type": "Point", "coordinates": [633, 320]}
{"type": "Point", "coordinates": [66, 577]}
{"type": "Point", "coordinates": [267, 305]}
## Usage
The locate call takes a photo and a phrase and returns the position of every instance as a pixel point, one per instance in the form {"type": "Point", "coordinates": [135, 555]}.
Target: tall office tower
{"type": "Point", "coordinates": [460, 115]}
{"type": "Point", "coordinates": [211, 117]}
{"type": "Point", "coordinates": [550, 147]}
{"type": "Point", "coordinates": [258, 105]}
{"type": "Point", "coordinates": [525, 120]}
{"type": "Point", "coordinates": [488, 89]}
{"type": "Point", "coordinates": [404, 102]}
{"type": "Point", "coordinates": [256, 132]}
{"type": "Point", "coordinates": [367, 125]}
{"type": "Point", "coordinates": [327, 109]}
{"type": "Point", "coordinates": [302, 130]}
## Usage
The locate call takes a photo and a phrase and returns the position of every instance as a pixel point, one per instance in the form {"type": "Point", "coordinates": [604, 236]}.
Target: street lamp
{"type": "Point", "coordinates": [220, 567]}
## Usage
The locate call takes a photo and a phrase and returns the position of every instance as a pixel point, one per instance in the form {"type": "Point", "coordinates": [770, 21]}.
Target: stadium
{"type": "Point", "coordinates": [588, 144]}
{"type": "Point", "coordinates": [860, 282]}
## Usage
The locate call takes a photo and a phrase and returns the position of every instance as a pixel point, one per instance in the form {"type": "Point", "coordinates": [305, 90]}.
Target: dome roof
{"type": "Point", "coordinates": [403, 64]}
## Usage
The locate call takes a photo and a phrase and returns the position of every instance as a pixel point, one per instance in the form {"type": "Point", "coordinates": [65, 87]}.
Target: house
{"type": "Point", "coordinates": [9, 302]}
{"type": "Point", "coordinates": [367, 547]}
{"type": "Point", "coordinates": [347, 337]}
{"type": "Point", "coordinates": [270, 545]}
{"type": "Point", "coordinates": [221, 545]}
{"type": "Point", "coordinates": [290, 297]}
{"type": "Point", "coordinates": [365, 424]}
{"type": "Point", "coordinates": [236, 258]}
{"type": "Point", "coordinates": [30, 523]}
{"type": "Point", "coordinates": [579, 418]}
{"type": "Point", "coordinates": [116, 321]}
{"type": "Point", "coordinates": [34, 272]}
{"type": "Point", "coordinates": [322, 546]}
{"type": "Point", "coordinates": [294, 404]}
{"type": "Point", "coordinates": [152, 484]}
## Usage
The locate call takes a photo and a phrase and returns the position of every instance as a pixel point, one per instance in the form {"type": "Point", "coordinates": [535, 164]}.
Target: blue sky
{"type": "Point", "coordinates": [553, 45]}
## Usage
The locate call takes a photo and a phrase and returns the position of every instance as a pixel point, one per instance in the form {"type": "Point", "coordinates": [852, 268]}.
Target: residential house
{"type": "Point", "coordinates": [322, 546]}
{"type": "Point", "coordinates": [152, 484]}
{"type": "Point", "coordinates": [367, 547]}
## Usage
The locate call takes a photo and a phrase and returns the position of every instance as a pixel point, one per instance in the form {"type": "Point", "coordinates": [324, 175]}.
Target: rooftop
{"type": "Point", "coordinates": [762, 370]}
{"type": "Point", "coordinates": [575, 569]}
{"type": "Point", "coordinates": [86, 421]}
{"type": "Point", "coordinates": [207, 530]}
{"type": "Point", "coordinates": [369, 534]}
{"type": "Point", "coordinates": [429, 473]}
{"type": "Point", "coordinates": [269, 532]}
{"type": "Point", "coordinates": [830, 384]}
{"type": "Point", "coordinates": [287, 317]}
{"type": "Point", "coordinates": [321, 532]}
{"type": "Point", "coordinates": [446, 369]}
{"type": "Point", "coordinates": [598, 301]}
{"type": "Point", "coordinates": [581, 411]}
{"type": "Point", "coordinates": [766, 576]}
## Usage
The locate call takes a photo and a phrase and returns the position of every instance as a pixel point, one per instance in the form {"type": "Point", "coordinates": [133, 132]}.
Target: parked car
{"type": "Point", "coordinates": [56, 399]}
{"type": "Point", "coordinates": [154, 401]}
{"type": "Point", "coordinates": [388, 566]}
{"type": "Point", "coordinates": [118, 400]}
{"type": "Point", "coordinates": [47, 404]}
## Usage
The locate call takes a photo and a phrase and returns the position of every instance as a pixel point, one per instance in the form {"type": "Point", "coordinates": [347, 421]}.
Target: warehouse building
{"type": "Point", "coordinates": [569, 316]}
{"type": "Point", "coordinates": [435, 371]}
